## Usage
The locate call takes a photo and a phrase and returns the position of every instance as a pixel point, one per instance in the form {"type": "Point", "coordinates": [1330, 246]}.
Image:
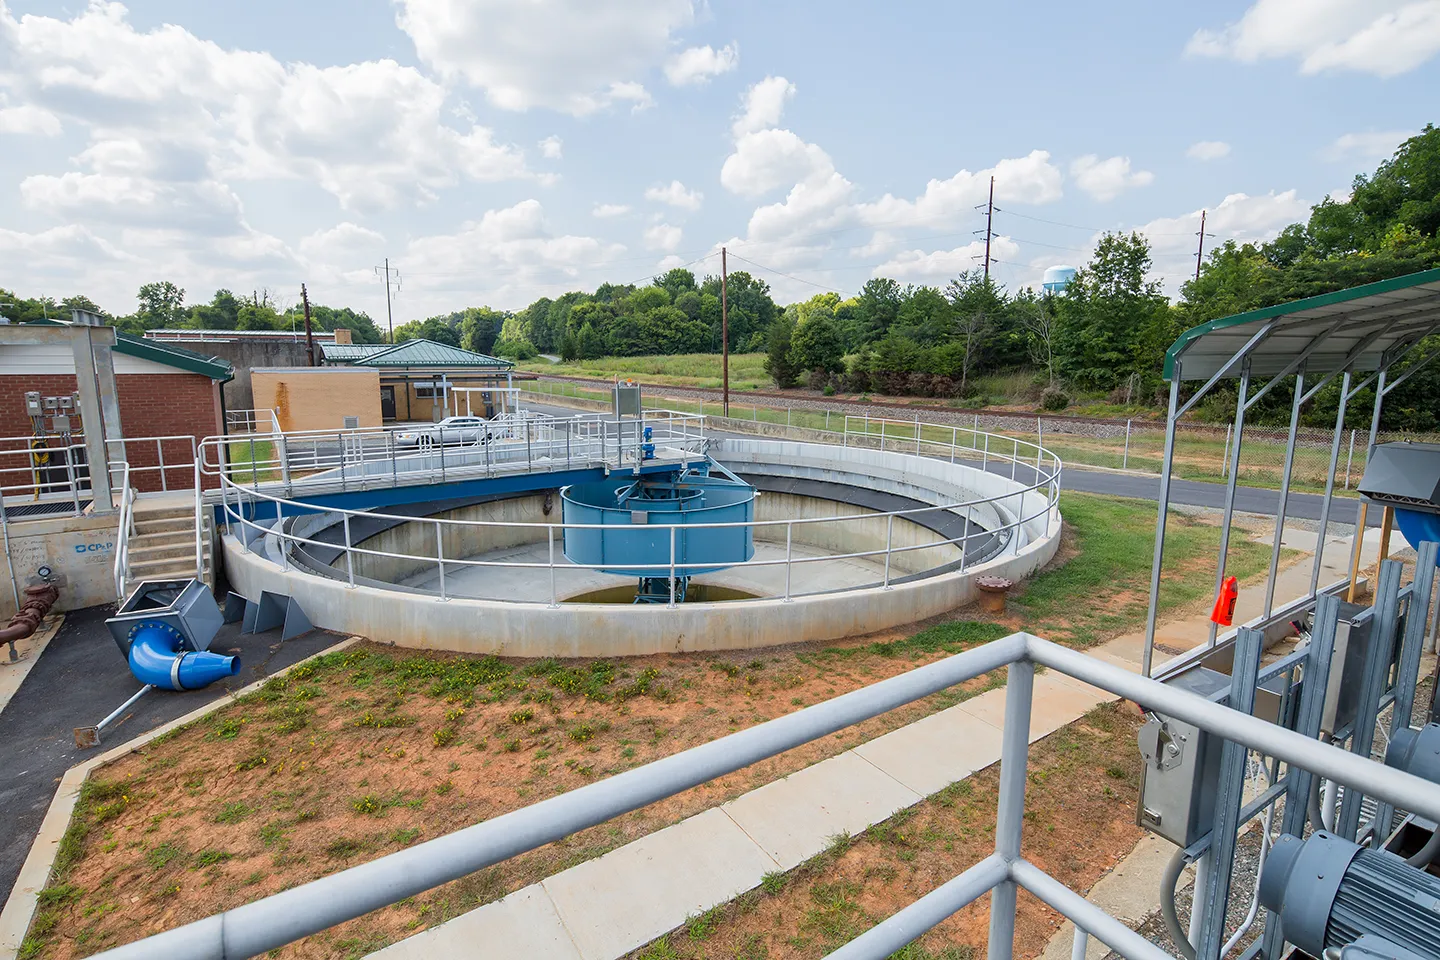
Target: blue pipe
{"type": "Point", "coordinates": [157, 658]}
{"type": "Point", "coordinates": [1417, 527]}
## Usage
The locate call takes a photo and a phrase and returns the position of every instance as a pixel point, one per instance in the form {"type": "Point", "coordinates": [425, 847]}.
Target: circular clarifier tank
{"type": "Point", "coordinates": [640, 527]}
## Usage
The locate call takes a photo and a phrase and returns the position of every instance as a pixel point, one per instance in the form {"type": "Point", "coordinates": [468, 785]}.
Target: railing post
{"type": "Point", "coordinates": [550, 530]}
{"type": "Point", "coordinates": [1080, 945]}
{"type": "Point", "coordinates": [889, 539]}
{"type": "Point", "coordinates": [341, 443]}
{"type": "Point", "coordinates": [672, 567]}
{"type": "Point", "coordinates": [1125, 457]}
{"type": "Point", "coordinates": [827, 419]}
{"type": "Point", "coordinates": [882, 436]}
{"type": "Point", "coordinates": [917, 434]}
{"type": "Point", "coordinates": [441, 432]}
{"type": "Point", "coordinates": [350, 563]}
{"type": "Point", "coordinates": [440, 558]}
{"type": "Point", "coordinates": [199, 514]}
{"type": "Point", "coordinates": [954, 438]}
{"type": "Point", "coordinates": [160, 458]}
{"type": "Point", "coordinates": [985, 455]}
{"type": "Point", "coordinates": [1349, 457]}
{"type": "Point", "coordinates": [1225, 458]}
{"type": "Point", "coordinates": [789, 527]}
{"type": "Point", "coordinates": [1010, 815]}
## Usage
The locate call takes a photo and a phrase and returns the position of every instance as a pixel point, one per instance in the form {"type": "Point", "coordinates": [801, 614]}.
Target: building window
{"type": "Point", "coordinates": [429, 390]}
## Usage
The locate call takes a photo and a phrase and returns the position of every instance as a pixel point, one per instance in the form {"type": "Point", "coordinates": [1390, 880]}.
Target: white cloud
{"type": "Point", "coordinates": [29, 119]}
{"type": "Point", "coordinates": [1382, 37]}
{"type": "Point", "coordinates": [550, 147]}
{"type": "Point", "coordinates": [767, 160]}
{"type": "Point", "coordinates": [1375, 145]}
{"type": "Point", "coordinates": [574, 56]}
{"type": "Point", "coordinates": [676, 195]}
{"type": "Point", "coordinates": [369, 133]}
{"type": "Point", "coordinates": [1031, 179]}
{"type": "Point", "coordinates": [1107, 179]}
{"type": "Point", "coordinates": [1208, 150]}
{"type": "Point", "coordinates": [662, 237]}
{"type": "Point", "coordinates": [344, 241]}
{"type": "Point", "coordinates": [764, 105]}
{"type": "Point", "coordinates": [699, 64]}
{"type": "Point", "coordinates": [941, 266]}
{"type": "Point", "coordinates": [606, 211]}
{"type": "Point", "coordinates": [513, 244]}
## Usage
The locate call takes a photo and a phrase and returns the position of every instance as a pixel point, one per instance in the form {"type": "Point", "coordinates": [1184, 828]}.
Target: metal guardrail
{"type": "Point", "coordinates": [285, 917]}
{"type": "Point", "coordinates": [1046, 481]}
{"type": "Point", "coordinates": [124, 531]}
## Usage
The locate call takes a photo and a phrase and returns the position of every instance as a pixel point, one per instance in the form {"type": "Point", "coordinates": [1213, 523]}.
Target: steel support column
{"type": "Point", "coordinates": [1284, 491]}
{"type": "Point", "coordinates": [1167, 461]}
{"type": "Point", "coordinates": [1323, 530]}
{"type": "Point", "coordinates": [1010, 817]}
{"type": "Point", "coordinates": [1230, 485]}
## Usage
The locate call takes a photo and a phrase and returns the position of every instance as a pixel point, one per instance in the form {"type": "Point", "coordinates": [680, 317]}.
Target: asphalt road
{"type": "Point", "coordinates": [79, 679]}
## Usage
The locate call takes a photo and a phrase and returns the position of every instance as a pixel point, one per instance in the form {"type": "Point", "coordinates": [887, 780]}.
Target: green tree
{"type": "Point", "coordinates": [880, 301]}
{"type": "Point", "coordinates": [779, 363]}
{"type": "Point", "coordinates": [162, 304]}
{"type": "Point", "coordinates": [1114, 321]}
{"type": "Point", "coordinates": [480, 328]}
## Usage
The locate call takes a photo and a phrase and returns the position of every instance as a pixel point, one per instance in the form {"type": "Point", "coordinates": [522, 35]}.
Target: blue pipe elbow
{"type": "Point", "coordinates": [156, 659]}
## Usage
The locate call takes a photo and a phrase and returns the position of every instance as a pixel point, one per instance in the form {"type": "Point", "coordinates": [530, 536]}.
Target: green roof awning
{"type": "Point", "coordinates": [1352, 329]}
{"type": "Point", "coordinates": [350, 352]}
{"type": "Point", "coordinates": [167, 353]}
{"type": "Point", "coordinates": [432, 356]}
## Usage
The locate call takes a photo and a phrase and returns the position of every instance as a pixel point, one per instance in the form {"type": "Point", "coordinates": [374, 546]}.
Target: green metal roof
{"type": "Point", "coordinates": [350, 352]}
{"type": "Point", "coordinates": [166, 353]}
{"type": "Point", "coordinates": [1352, 328]}
{"type": "Point", "coordinates": [432, 355]}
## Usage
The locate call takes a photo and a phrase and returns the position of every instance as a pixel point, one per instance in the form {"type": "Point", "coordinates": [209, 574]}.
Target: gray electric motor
{"type": "Point", "coordinates": [1329, 892]}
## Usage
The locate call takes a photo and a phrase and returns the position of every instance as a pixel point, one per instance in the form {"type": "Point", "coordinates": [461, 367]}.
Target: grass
{"type": "Point", "coordinates": [249, 459]}
{"type": "Point", "coordinates": [1107, 595]}
{"type": "Point", "coordinates": [747, 370]}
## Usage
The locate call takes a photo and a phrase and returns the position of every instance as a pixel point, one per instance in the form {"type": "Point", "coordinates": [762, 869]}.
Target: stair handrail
{"type": "Point", "coordinates": [199, 514]}
{"type": "Point", "coordinates": [127, 523]}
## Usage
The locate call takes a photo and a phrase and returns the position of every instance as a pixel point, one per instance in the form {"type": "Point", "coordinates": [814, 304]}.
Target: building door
{"type": "Point", "coordinates": [387, 403]}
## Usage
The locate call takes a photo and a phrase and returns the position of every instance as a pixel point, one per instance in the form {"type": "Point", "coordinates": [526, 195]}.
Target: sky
{"type": "Point", "coordinates": [496, 151]}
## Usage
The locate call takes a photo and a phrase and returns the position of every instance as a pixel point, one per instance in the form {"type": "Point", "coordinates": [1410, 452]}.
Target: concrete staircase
{"type": "Point", "coordinates": [163, 544]}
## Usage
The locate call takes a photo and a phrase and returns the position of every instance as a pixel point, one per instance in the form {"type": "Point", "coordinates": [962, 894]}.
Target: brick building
{"type": "Point", "coordinates": [163, 390]}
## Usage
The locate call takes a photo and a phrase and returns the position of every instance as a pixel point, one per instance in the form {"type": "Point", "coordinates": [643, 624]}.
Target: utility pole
{"type": "Point", "coordinates": [989, 225]}
{"type": "Point", "coordinates": [724, 334]}
{"type": "Point", "coordinates": [389, 316]}
{"type": "Point", "coordinates": [1200, 251]}
{"type": "Point", "coordinates": [309, 337]}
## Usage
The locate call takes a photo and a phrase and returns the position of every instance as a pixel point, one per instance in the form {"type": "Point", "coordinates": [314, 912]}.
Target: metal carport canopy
{"type": "Point", "coordinates": [1378, 319]}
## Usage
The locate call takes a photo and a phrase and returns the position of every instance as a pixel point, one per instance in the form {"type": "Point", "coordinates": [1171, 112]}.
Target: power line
{"type": "Point", "coordinates": [781, 273]}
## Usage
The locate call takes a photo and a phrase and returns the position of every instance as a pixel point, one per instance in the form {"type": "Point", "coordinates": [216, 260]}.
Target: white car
{"type": "Point", "coordinates": [450, 431]}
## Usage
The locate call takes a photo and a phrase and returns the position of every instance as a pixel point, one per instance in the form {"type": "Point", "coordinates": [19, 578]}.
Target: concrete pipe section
{"type": "Point", "coordinates": [846, 540]}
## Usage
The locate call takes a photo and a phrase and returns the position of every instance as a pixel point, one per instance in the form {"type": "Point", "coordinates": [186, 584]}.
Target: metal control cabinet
{"type": "Point", "coordinates": [1182, 766]}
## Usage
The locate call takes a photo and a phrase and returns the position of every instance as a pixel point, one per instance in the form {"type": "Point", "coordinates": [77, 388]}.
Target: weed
{"type": "Point", "coordinates": [229, 728]}
{"type": "Point", "coordinates": [1117, 773]}
{"type": "Point", "coordinates": [726, 667]}
{"type": "Point", "coordinates": [659, 950]}
{"type": "Point", "coordinates": [522, 716]}
{"type": "Point", "coordinates": [344, 848]}
{"type": "Point", "coordinates": [511, 746]}
{"type": "Point", "coordinates": [444, 787]}
{"type": "Point", "coordinates": [444, 736]}
{"type": "Point", "coordinates": [252, 761]}
{"type": "Point", "coordinates": [207, 858]}
{"type": "Point", "coordinates": [234, 812]}
{"type": "Point", "coordinates": [773, 882]}
{"type": "Point", "coordinates": [753, 948]}
{"type": "Point", "coordinates": [165, 854]}
{"type": "Point", "coordinates": [454, 714]}
{"type": "Point", "coordinates": [384, 721]}
{"type": "Point", "coordinates": [700, 927]}
{"type": "Point", "coordinates": [368, 804]}
{"type": "Point", "coordinates": [404, 837]}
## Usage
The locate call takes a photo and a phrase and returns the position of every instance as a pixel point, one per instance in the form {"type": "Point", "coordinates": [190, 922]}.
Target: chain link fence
{"type": "Point", "coordinates": [1202, 452]}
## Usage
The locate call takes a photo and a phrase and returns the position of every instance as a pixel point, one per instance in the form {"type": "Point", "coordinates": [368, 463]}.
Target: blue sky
{"type": "Point", "coordinates": [498, 150]}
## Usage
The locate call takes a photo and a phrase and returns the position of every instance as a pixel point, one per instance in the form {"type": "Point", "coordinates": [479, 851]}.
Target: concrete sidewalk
{"type": "Point", "coordinates": [607, 907]}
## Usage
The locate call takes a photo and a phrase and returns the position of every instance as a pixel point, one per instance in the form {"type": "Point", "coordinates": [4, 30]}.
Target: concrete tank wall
{"type": "Point", "coordinates": [417, 539]}
{"type": "Point", "coordinates": [589, 630]}
{"type": "Point", "coordinates": [852, 536]}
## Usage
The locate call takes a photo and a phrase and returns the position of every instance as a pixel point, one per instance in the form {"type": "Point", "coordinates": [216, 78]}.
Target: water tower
{"type": "Point", "coordinates": [1057, 278]}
